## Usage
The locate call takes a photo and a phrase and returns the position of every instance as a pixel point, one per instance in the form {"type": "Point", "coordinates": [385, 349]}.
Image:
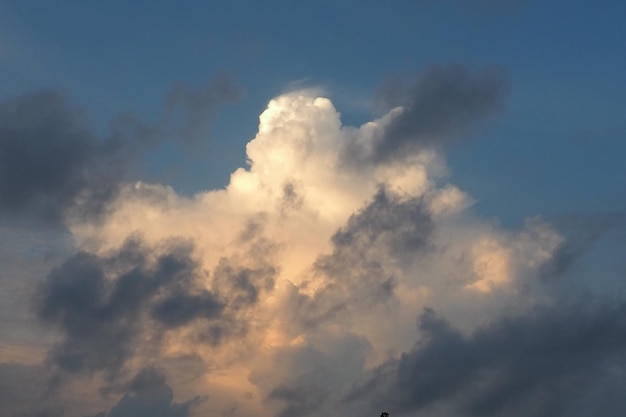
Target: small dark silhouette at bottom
{"type": "Point", "coordinates": [384, 414]}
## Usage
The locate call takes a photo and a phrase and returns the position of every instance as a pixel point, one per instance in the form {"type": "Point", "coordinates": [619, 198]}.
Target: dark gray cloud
{"type": "Point", "coordinates": [356, 272]}
{"type": "Point", "coordinates": [197, 108]}
{"type": "Point", "coordinates": [54, 165]}
{"type": "Point", "coordinates": [107, 306]}
{"type": "Point", "coordinates": [401, 225]}
{"type": "Point", "coordinates": [239, 282]}
{"type": "Point", "coordinates": [581, 233]}
{"type": "Point", "coordinates": [387, 226]}
{"type": "Point", "coordinates": [541, 363]}
{"type": "Point", "coordinates": [24, 392]}
{"type": "Point", "coordinates": [243, 284]}
{"type": "Point", "coordinates": [318, 371]}
{"type": "Point", "coordinates": [292, 198]}
{"type": "Point", "coordinates": [301, 400]}
{"type": "Point", "coordinates": [440, 106]}
{"type": "Point", "coordinates": [149, 396]}
{"type": "Point", "coordinates": [50, 158]}
{"type": "Point", "coordinates": [98, 303]}
{"type": "Point", "coordinates": [179, 308]}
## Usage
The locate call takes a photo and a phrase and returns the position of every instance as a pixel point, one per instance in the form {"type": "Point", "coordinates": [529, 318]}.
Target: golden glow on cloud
{"type": "Point", "coordinates": [491, 264]}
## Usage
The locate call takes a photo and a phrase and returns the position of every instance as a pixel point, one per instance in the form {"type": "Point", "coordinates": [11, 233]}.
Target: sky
{"type": "Point", "coordinates": [296, 209]}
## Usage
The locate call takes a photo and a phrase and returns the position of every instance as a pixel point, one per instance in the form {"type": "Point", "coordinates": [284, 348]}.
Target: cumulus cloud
{"type": "Point", "coordinates": [303, 242]}
{"type": "Point", "coordinates": [294, 290]}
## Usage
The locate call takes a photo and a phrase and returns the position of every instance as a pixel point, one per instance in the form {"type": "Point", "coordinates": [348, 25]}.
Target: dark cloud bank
{"type": "Point", "coordinates": [110, 309]}
{"type": "Point", "coordinates": [560, 358]}
{"type": "Point", "coordinates": [99, 304]}
{"type": "Point", "coordinates": [53, 165]}
{"type": "Point", "coordinates": [103, 305]}
{"type": "Point", "coordinates": [552, 361]}
{"type": "Point", "coordinates": [440, 106]}
{"type": "Point", "coordinates": [148, 395]}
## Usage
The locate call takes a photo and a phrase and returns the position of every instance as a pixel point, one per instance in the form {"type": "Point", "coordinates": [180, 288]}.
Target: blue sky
{"type": "Point", "coordinates": [190, 230]}
{"type": "Point", "coordinates": [559, 139]}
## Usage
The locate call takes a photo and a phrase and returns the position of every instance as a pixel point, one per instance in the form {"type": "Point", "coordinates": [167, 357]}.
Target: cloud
{"type": "Point", "coordinates": [538, 362]}
{"type": "Point", "coordinates": [437, 108]}
{"type": "Point", "coordinates": [357, 273]}
{"type": "Point", "coordinates": [301, 245]}
{"type": "Point", "coordinates": [149, 396]}
{"type": "Point", "coordinates": [198, 107]}
{"type": "Point", "coordinates": [180, 308]}
{"type": "Point", "coordinates": [307, 377]}
{"type": "Point", "coordinates": [583, 231]}
{"type": "Point", "coordinates": [54, 167]}
{"type": "Point", "coordinates": [99, 303]}
{"type": "Point", "coordinates": [24, 393]}
{"type": "Point", "coordinates": [50, 158]}
{"type": "Point", "coordinates": [294, 290]}
{"type": "Point", "coordinates": [119, 309]}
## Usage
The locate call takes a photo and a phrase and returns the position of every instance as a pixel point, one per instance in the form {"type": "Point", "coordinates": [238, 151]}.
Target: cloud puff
{"type": "Point", "coordinates": [99, 302]}
{"type": "Point", "coordinates": [108, 306]}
